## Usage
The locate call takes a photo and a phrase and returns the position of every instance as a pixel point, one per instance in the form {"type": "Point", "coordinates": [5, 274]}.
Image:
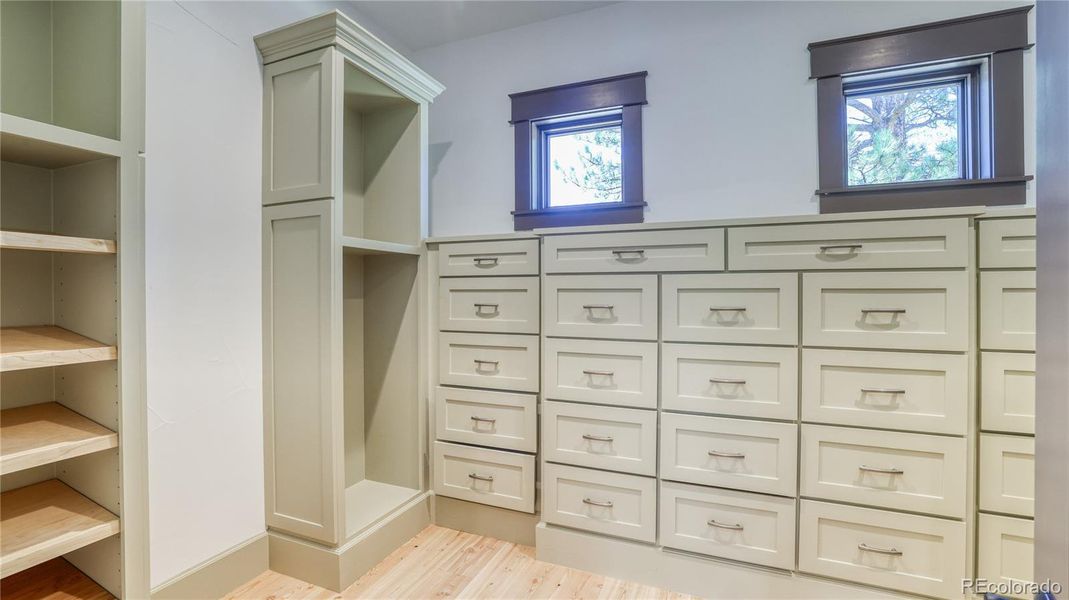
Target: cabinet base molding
{"type": "Point", "coordinates": [337, 568]}
{"type": "Point", "coordinates": [219, 575]}
{"type": "Point", "coordinates": [687, 573]}
{"type": "Point", "coordinates": [480, 519]}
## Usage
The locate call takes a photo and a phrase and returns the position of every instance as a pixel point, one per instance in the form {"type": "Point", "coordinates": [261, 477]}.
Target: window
{"type": "Point", "coordinates": [579, 153]}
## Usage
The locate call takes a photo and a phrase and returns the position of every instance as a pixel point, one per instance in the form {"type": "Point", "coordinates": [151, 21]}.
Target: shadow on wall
{"type": "Point", "coordinates": [435, 155]}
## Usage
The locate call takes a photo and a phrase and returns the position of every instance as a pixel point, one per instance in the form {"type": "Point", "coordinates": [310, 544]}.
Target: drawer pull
{"type": "Point", "coordinates": [598, 307]}
{"type": "Point", "coordinates": [636, 251]}
{"type": "Point", "coordinates": [878, 550]}
{"type": "Point", "coordinates": [479, 306]}
{"type": "Point", "coordinates": [890, 311]}
{"type": "Point", "coordinates": [602, 373]}
{"type": "Point", "coordinates": [726, 454]}
{"type": "Point", "coordinates": [601, 503]}
{"type": "Point", "coordinates": [478, 477]}
{"type": "Point", "coordinates": [727, 381]}
{"type": "Point", "coordinates": [483, 420]}
{"type": "Point", "coordinates": [882, 391]}
{"type": "Point", "coordinates": [485, 260]}
{"type": "Point", "coordinates": [840, 247]}
{"type": "Point", "coordinates": [715, 523]}
{"type": "Point", "coordinates": [597, 438]}
{"type": "Point", "coordinates": [727, 308]}
{"type": "Point", "coordinates": [886, 471]}
{"type": "Point", "coordinates": [479, 363]}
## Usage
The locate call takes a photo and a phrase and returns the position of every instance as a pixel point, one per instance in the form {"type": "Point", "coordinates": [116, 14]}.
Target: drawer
{"type": "Point", "coordinates": [905, 471]}
{"type": "Point", "coordinates": [748, 455]}
{"type": "Point", "coordinates": [635, 251]}
{"type": "Point", "coordinates": [610, 503]}
{"type": "Point", "coordinates": [907, 310]}
{"type": "Point", "coordinates": [615, 307]}
{"type": "Point", "coordinates": [730, 308]}
{"type": "Point", "coordinates": [505, 257]}
{"type": "Point", "coordinates": [728, 524]}
{"type": "Point", "coordinates": [886, 390]}
{"type": "Point", "coordinates": [1008, 310]}
{"type": "Point", "coordinates": [1008, 243]}
{"type": "Point", "coordinates": [1006, 546]}
{"type": "Point", "coordinates": [506, 362]}
{"type": "Point", "coordinates": [903, 244]}
{"type": "Point", "coordinates": [1008, 392]}
{"type": "Point", "coordinates": [493, 477]}
{"type": "Point", "coordinates": [488, 304]}
{"type": "Point", "coordinates": [1007, 474]}
{"type": "Point", "coordinates": [497, 419]}
{"type": "Point", "coordinates": [602, 372]}
{"type": "Point", "coordinates": [908, 553]}
{"type": "Point", "coordinates": [742, 381]}
{"type": "Point", "coordinates": [617, 439]}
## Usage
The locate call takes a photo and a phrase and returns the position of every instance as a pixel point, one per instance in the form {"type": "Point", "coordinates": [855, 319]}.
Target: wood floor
{"type": "Point", "coordinates": [444, 563]}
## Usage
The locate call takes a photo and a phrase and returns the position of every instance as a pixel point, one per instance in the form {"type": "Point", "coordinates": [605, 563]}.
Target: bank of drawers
{"type": "Point", "coordinates": [486, 410]}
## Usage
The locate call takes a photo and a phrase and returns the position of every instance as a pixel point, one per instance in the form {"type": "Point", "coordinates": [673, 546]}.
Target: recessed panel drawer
{"type": "Point", "coordinates": [1008, 392]}
{"type": "Point", "coordinates": [635, 251]}
{"type": "Point", "coordinates": [904, 244]}
{"type": "Point", "coordinates": [504, 362]}
{"type": "Point", "coordinates": [737, 525]}
{"type": "Point", "coordinates": [742, 381]}
{"type": "Point", "coordinates": [1008, 243]}
{"type": "Point", "coordinates": [1007, 474]}
{"type": "Point", "coordinates": [497, 419]}
{"type": "Point", "coordinates": [905, 310]}
{"type": "Point", "coordinates": [505, 257]}
{"type": "Point", "coordinates": [617, 439]}
{"type": "Point", "coordinates": [493, 477]}
{"type": "Point", "coordinates": [1008, 310]}
{"type": "Point", "coordinates": [1006, 546]}
{"type": "Point", "coordinates": [887, 390]}
{"type": "Point", "coordinates": [610, 503]}
{"type": "Point", "coordinates": [613, 307]}
{"type": "Point", "coordinates": [906, 471]}
{"type": "Point", "coordinates": [910, 553]}
{"type": "Point", "coordinates": [730, 308]}
{"type": "Point", "coordinates": [488, 304]}
{"type": "Point", "coordinates": [757, 456]}
{"type": "Point", "coordinates": [603, 372]}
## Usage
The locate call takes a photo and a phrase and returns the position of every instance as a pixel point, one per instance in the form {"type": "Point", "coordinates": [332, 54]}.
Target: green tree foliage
{"type": "Point", "coordinates": [602, 166]}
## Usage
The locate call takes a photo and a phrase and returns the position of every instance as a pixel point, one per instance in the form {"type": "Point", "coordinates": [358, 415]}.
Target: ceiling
{"type": "Point", "coordinates": [422, 24]}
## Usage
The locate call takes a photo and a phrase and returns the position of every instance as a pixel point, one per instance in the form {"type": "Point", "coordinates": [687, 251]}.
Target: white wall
{"type": "Point", "coordinates": [730, 129]}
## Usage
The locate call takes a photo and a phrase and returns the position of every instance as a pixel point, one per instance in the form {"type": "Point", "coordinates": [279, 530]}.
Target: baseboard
{"type": "Point", "coordinates": [480, 519]}
{"type": "Point", "coordinates": [687, 573]}
{"type": "Point", "coordinates": [219, 575]}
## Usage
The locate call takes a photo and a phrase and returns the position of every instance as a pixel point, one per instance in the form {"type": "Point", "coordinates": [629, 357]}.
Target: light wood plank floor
{"type": "Point", "coordinates": [444, 563]}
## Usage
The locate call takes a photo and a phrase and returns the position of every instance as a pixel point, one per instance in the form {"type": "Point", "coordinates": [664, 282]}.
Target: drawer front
{"type": "Point", "coordinates": [730, 308]}
{"type": "Point", "coordinates": [616, 307]}
{"type": "Point", "coordinates": [906, 471]}
{"type": "Point", "coordinates": [728, 524]}
{"type": "Point", "coordinates": [488, 304]}
{"type": "Point", "coordinates": [617, 439]}
{"type": "Point", "coordinates": [1008, 243]}
{"type": "Point", "coordinates": [886, 390]}
{"type": "Point", "coordinates": [741, 381]}
{"type": "Point", "coordinates": [1008, 310]}
{"type": "Point", "coordinates": [635, 251]}
{"type": "Point", "coordinates": [506, 257]}
{"type": "Point", "coordinates": [1008, 392]}
{"type": "Point", "coordinates": [497, 419]}
{"type": "Point", "coordinates": [910, 310]}
{"type": "Point", "coordinates": [1007, 474]}
{"type": "Point", "coordinates": [906, 244]}
{"type": "Point", "coordinates": [505, 362]}
{"type": "Point", "coordinates": [1006, 546]}
{"type": "Point", "coordinates": [493, 477]}
{"type": "Point", "coordinates": [618, 373]}
{"type": "Point", "coordinates": [920, 555]}
{"type": "Point", "coordinates": [610, 503]}
{"type": "Point", "coordinates": [748, 455]}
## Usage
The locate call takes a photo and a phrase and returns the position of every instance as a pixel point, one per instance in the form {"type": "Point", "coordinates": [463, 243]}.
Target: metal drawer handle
{"type": "Point", "coordinates": [597, 438]}
{"type": "Point", "coordinates": [602, 503]}
{"type": "Point", "coordinates": [727, 308]}
{"type": "Point", "coordinates": [486, 362]}
{"type": "Point", "coordinates": [598, 307]}
{"type": "Point", "coordinates": [886, 471]}
{"type": "Point", "coordinates": [483, 420]}
{"type": "Point", "coordinates": [481, 305]}
{"type": "Point", "coordinates": [726, 454]}
{"type": "Point", "coordinates": [878, 550]}
{"type": "Point", "coordinates": [890, 311]}
{"type": "Point", "coordinates": [715, 523]}
{"type": "Point", "coordinates": [478, 477]}
{"type": "Point", "coordinates": [593, 372]}
{"type": "Point", "coordinates": [727, 381]}
{"type": "Point", "coordinates": [840, 247]}
{"type": "Point", "coordinates": [882, 391]}
{"type": "Point", "coordinates": [621, 253]}
{"type": "Point", "coordinates": [482, 260]}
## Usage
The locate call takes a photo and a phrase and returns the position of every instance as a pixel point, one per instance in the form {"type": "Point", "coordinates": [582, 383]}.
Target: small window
{"type": "Point", "coordinates": [582, 161]}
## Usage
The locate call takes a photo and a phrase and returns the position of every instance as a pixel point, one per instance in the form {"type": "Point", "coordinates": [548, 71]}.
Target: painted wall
{"type": "Point", "coordinates": [730, 129]}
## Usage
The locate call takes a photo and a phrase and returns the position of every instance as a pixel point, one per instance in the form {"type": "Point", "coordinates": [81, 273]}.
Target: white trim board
{"type": "Point", "coordinates": [220, 574]}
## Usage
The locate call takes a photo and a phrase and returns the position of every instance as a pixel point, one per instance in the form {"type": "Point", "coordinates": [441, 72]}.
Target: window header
{"type": "Point", "coordinates": [596, 94]}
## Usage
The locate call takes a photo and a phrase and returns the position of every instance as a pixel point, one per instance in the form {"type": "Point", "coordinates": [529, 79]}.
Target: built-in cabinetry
{"type": "Point", "coordinates": [72, 426]}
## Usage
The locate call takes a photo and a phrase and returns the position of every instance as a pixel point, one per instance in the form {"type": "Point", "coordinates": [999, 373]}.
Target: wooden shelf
{"type": "Point", "coordinates": [48, 346]}
{"type": "Point", "coordinates": [38, 144]}
{"type": "Point", "coordinates": [46, 242]}
{"type": "Point", "coordinates": [47, 520]}
{"type": "Point", "coordinates": [56, 579]}
{"type": "Point", "coordinates": [365, 246]}
{"type": "Point", "coordinates": [47, 433]}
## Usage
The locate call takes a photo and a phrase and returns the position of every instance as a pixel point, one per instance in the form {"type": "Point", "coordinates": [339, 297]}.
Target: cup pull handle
{"type": "Point", "coordinates": [480, 362]}
{"type": "Point", "coordinates": [637, 251]}
{"type": "Point", "coordinates": [478, 477]}
{"type": "Point", "coordinates": [482, 305]}
{"type": "Point", "coordinates": [483, 420]}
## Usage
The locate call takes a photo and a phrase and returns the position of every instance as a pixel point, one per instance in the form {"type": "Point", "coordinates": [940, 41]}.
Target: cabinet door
{"type": "Point", "coordinates": [302, 398]}
{"type": "Point", "coordinates": [299, 116]}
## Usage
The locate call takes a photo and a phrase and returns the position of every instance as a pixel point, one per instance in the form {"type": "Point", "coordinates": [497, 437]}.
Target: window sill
{"type": "Point", "coordinates": [999, 191]}
{"type": "Point", "coordinates": [613, 213]}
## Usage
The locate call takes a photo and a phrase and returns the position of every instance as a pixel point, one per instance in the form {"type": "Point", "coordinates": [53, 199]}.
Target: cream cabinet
{"type": "Point", "coordinates": [614, 439]}
{"type": "Point", "coordinates": [1006, 551]}
{"type": "Point", "coordinates": [730, 308]}
{"type": "Point", "coordinates": [743, 381]}
{"type": "Point", "coordinates": [610, 503]}
{"type": "Point", "coordinates": [600, 372]}
{"type": "Point", "coordinates": [618, 307]}
{"type": "Point", "coordinates": [635, 251]}
{"type": "Point", "coordinates": [1008, 310]}
{"type": "Point", "coordinates": [487, 418]}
